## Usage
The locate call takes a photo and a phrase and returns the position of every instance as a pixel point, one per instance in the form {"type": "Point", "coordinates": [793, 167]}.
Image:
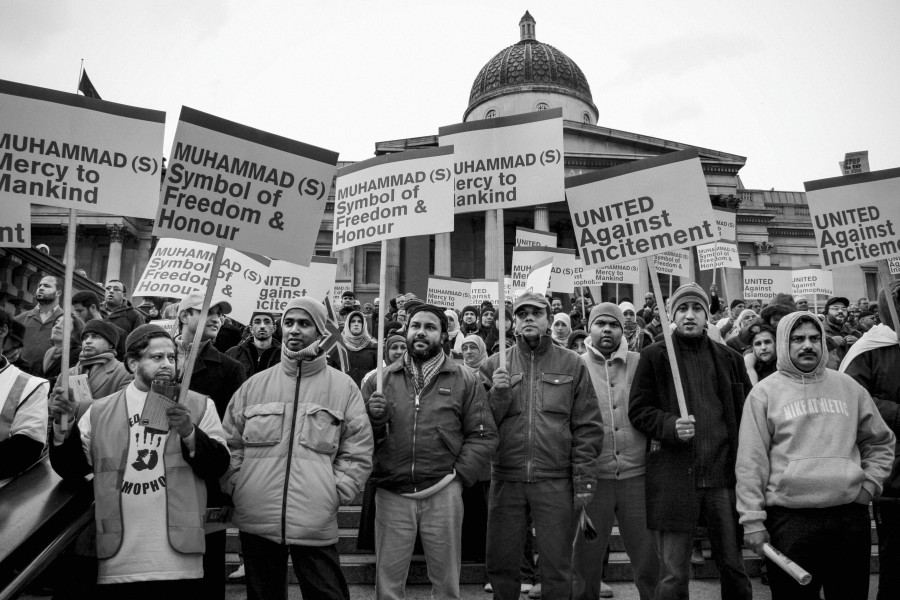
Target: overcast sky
{"type": "Point", "coordinates": [790, 85]}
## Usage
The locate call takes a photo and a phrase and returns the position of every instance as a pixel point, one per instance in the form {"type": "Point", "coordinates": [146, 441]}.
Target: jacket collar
{"type": "Point", "coordinates": [307, 367]}
{"type": "Point", "coordinates": [619, 355]}
{"type": "Point", "coordinates": [543, 345]}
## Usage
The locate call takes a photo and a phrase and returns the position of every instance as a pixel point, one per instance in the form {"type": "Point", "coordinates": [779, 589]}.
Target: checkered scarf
{"type": "Point", "coordinates": [422, 372]}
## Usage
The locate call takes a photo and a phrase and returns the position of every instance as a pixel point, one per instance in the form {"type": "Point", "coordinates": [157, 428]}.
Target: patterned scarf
{"type": "Point", "coordinates": [86, 365]}
{"type": "Point", "coordinates": [422, 372]}
{"type": "Point", "coordinates": [355, 343]}
{"type": "Point", "coordinates": [308, 353]}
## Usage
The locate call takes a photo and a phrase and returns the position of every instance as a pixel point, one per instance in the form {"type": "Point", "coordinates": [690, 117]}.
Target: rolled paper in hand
{"type": "Point", "coordinates": [787, 565]}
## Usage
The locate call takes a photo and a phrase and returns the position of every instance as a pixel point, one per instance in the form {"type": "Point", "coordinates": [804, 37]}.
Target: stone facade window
{"type": "Point", "coordinates": [543, 106]}
{"type": "Point", "coordinates": [491, 114]}
{"type": "Point", "coordinates": [586, 118]}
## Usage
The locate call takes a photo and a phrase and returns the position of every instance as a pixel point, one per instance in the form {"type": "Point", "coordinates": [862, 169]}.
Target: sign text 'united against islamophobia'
{"type": "Point", "coordinates": [642, 208]}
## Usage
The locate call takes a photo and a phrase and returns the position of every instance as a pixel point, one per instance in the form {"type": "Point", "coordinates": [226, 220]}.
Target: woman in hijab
{"type": "Point", "coordinates": [474, 353]}
{"type": "Point", "coordinates": [394, 347]}
{"type": "Point", "coordinates": [52, 364]}
{"type": "Point", "coordinates": [561, 328]}
{"type": "Point", "coordinates": [362, 350]}
{"type": "Point", "coordinates": [454, 339]}
{"type": "Point", "coordinates": [632, 330]}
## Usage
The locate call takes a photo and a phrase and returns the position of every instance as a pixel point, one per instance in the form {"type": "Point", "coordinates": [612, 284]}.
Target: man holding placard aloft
{"type": "Point", "coordinates": [690, 460]}
{"type": "Point", "coordinates": [813, 452]}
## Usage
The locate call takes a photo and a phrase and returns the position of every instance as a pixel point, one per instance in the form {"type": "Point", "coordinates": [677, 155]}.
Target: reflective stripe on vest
{"type": "Point", "coordinates": [185, 493]}
{"type": "Point", "coordinates": [13, 399]}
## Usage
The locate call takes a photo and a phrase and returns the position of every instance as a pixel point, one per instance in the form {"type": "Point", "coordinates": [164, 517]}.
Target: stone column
{"type": "Point", "coordinates": [442, 254]}
{"type": "Point", "coordinates": [114, 264]}
{"type": "Point", "coordinates": [542, 217]}
{"type": "Point", "coordinates": [392, 268]}
{"type": "Point", "coordinates": [491, 258]}
{"type": "Point", "coordinates": [143, 254]}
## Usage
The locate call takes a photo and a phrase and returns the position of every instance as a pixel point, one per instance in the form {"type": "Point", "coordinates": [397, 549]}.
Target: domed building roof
{"type": "Point", "coordinates": [529, 65]}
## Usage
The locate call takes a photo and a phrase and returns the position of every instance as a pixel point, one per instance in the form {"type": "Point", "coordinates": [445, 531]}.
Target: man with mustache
{"type": "Point", "coordinates": [118, 308]}
{"type": "Point", "coordinates": [149, 491]}
{"type": "Point", "coordinates": [836, 326]}
{"type": "Point", "coordinates": [435, 434]}
{"type": "Point", "coordinates": [690, 459]}
{"type": "Point", "coordinates": [39, 322]}
{"type": "Point", "coordinates": [813, 452]}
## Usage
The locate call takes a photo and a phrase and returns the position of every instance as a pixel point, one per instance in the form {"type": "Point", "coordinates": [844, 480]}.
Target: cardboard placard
{"type": "Point", "coordinates": [538, 280]}
{"type": "Point", "coordinates": [15, 227]}
{"type": "Point", "coordinates": [70, 151]}
{"type": "Point", "coordinates": [533, 237]}
{"type": "Point", "coordinates": [726, 222]}
{"type": "Point", "coordinates": [231, 185]}
{"type": "Point", "coordinates": [626, 273]}
{"type": "Point", "coordinates": [718, 255]}
{"type": "Point", "coordinates": [855, 162]}
{"type": "Point", "coordinates": [640, 209]}
{"type": "Point", "coordinates": [394, 196]}
{"type": "Point", "coordinates": [812, 281]}
{"type": "Point", "coordinates": [485, 289]}
{"type": "Point", "coordinates": [562, 270]}
{"type": "Point", "coordinates": [508, 162]}
{"type": "Point", "coordinates": [764, 282]}
{"type": "Point", "coordinates": [286, 281]}
{"type": "Point", "coordinates": [673, 262]}
{"type": "Point", "coordinates": [856, 218]}
{"type": "Point", "coordinates": [449, 292]}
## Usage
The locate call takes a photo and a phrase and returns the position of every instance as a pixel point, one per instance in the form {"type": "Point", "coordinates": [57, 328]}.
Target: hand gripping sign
{"type": "Point", "coordinates": [229, 184]}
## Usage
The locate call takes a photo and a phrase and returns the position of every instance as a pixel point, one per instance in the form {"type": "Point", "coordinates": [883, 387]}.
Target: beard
{"type": "Point", "coordinates": [425, 354]}
{"type": "Point", "coordinates": [147, 376]}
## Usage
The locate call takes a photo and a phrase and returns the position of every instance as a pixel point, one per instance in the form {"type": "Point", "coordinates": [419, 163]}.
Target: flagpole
{"type": "Point", "coordinates": [501, 292]}
{"type": "Point", "coordinates": [201, 325]}
{"type": "Point", "coordinates": [667, 334]}
{"type": "Point", "coordinates": [382, 294]}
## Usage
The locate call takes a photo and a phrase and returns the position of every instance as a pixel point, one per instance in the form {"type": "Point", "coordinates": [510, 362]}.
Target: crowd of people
{"type": "Point", "coordinates": [780, 429]}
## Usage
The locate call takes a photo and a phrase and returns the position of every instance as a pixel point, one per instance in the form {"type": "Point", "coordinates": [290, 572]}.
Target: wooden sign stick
{"type": "Point", "coordinates": [501, 292]}
{"type": "Point", "coordinates": [667, 334]}
{"type": "Point", "coordinates": [382, 293]}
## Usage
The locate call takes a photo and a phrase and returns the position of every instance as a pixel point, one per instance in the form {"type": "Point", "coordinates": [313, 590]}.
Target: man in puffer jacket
{"type": "Point", "coordinates": [813, 451]}
{"type": "Point", "coordinates": [435, 435]}
{"type": "Point", "coordinates": [301, 445]}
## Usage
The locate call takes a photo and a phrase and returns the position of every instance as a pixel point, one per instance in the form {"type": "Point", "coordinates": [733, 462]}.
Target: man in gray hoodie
{"type": "Point", "coordinates": [813, 451]}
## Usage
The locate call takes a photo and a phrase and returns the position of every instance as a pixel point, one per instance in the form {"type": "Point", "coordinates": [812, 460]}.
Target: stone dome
{"type": "Point", "coordinates": [529, 65]}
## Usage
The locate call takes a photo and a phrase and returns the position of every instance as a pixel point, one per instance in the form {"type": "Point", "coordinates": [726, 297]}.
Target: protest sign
{"type": "Point", "coordinates": [485, 289]}
{"type": "Point", "coordinates": [855, 162]}
{"type": "Point", "coordinates": [894, 264]}
{"type": "Point", "coordinates": [641, 208]}
{"type": "Point", "coordinates": [718, 255]}
{"type": "Point", "coordinates": [229, 184]}
{"type": "Point", "coordinates": [764, 282]}
{"type": "Point", "coordinates": [508, 162]}
{"type": "Point", "coordinates": [340, 286]}
{"type": "Point", "coordinates": [856, 218]}
{"type": "Point", "coordinates": [673, 262]}
{"type": "Point", "coordinates": [393, 196]}
{"type": "Point", "coordinates": [449, 292]}
{"type": "Point", "coordinates": [15, 228]}
{"type": "Point", "coordinates": [179, 267]}
{"type": "Point", "coordinates": [812, 281]}
{"type": "Point", "coordinates": [533, 237]}
{"type": "Point", "coordinates": [286, 281]}
{"type": "Point", "coordinates": [563, 270]}
{"type": "Point", "coordinates": [726, 222]}
{"type": "Point", "coordinates": [628, 273]}
{"type": "Point", "coordinates": [69, 151]}
{"type": "Point", "coordinates": [538, 280]}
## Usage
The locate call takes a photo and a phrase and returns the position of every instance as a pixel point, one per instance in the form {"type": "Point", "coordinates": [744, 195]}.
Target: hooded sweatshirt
{"type": "Point", "coordinates": [808, 440]}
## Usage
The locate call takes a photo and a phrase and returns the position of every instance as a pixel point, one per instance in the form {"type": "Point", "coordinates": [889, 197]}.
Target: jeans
{"type": "Point", "coordinates": [551, 503]}
{"type": "Point", "coordinates": [674, 549]}
{"type": "Point", "coordinates": [438, 520]}
{"type": "Point", "coordinates": [887, 522]}
{"type": "Point", "coordinates": [833, 544]}
{"type": "Point", "coordinates": [318, 569]}
{"type": "Point", "coordinates": [623, 501]}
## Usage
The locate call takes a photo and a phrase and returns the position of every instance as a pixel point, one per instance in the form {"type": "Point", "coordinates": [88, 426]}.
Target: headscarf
{"type": "Point", "coordinates": [631, 330]}
{"type": "Point", "coordinates": [482, 351]}
{"type": "Point", "coordinates": [452, 325]}
{"type": "Point", "coordinates": [561, 339]}
{"type": "Point", "coordinates": [360, 341]}
{"type": "Point", "coordinates": [739, 324]}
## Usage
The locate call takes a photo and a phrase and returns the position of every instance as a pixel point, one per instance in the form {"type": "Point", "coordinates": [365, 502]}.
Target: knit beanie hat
{"type": "Point", "coordinates": [606, 309]}
{"type": "Point", "coordinates": [471, 308]}
{"type": "Point", "coordinates": [435, 310]}
{"type": "Point", "coordinates": [139, 334]}
{"type": "Point", "coordinates": [691, 292]}
{"type": "Point", "coordinates": [103, 329]}
{"type": "Point", "coordinates": [393, 339]}
{"type": "Point", "coordinates": [315, 309]}
{"type": "Point", "coordinates": [734, 302]}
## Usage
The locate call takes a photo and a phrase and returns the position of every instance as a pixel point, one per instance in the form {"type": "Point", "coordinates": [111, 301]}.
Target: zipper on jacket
{"type": "Point", "coordinates": [529, 438]}
{"type": "Point", "coordinates": [287, 470]}
{"type": "Point", "coordinates": [612, 412]}
{"type": "Point", "coordinates": [412, 474]}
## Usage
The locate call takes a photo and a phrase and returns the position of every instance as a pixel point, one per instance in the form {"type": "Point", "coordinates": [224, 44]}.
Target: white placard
{"type": "Point", "coordinates": [286, 281]}
{"type": "Point", "coordinates": [15, 226]}
{"type": "Point", "coordinates": [449, 292]}
{"type": "Point", "coordinates": [508, 162]}
{"type": "Point", "coordinates": [485, 289]}
{"type": "Point", "coordinates": [393, 196]}
{"type": "Point", "coordinates": [69, 151]}
{"type": "Point", "coordinates": [533, 237]}
{"type": "Point", "coordinates": [642, 208]}
{"type": "Point", "coordinates": [763, 283]}
{"type": "Point", "coordinates": [673, 262]}
{"type": "Point", "coordinates": [726, 222]}
{"type": "Point", "coordinates": [340, 286]}
{"type": "Point", "coordinates": [718, 255]}
{"type": "Point", "coordinates": [232, 185]}
{"type": "Point", "coordinates": [856, 218]}
{"type": "Point", "coordinates": [626, 273]}
{"type": "Point", "coordinates": [812, 281]}
{"type": "Point", "coordinates": [538, 280]}
{"type": "Point", "coordinates": [563, 270]}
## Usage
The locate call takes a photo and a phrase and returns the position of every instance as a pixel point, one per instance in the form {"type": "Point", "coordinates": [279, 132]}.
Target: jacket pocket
{"type": "Point", "coordinates": [321, 430]}
{"type": "Point", "coordinates": [263, 424]}
{"type": "Point", "coordinates": [452, 439]}
{"type": "Point", "coordinates": [822, 480]}
{"type": "Point", "coordinates": [556, 393]}
{"type": "Point", "coordinates": [516, 390]}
